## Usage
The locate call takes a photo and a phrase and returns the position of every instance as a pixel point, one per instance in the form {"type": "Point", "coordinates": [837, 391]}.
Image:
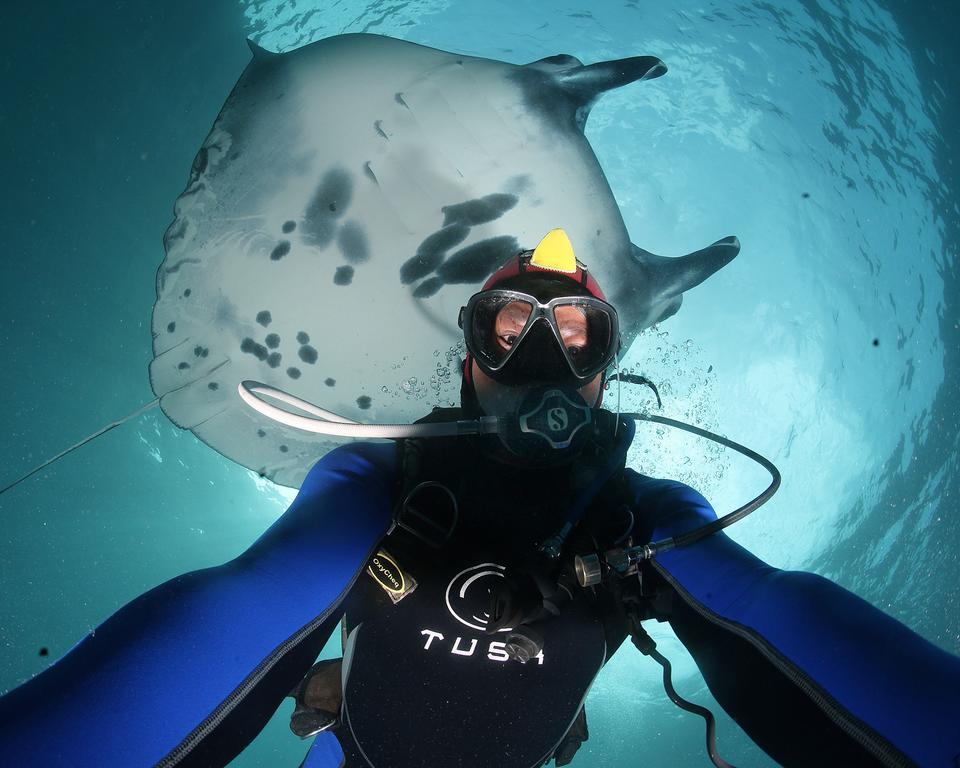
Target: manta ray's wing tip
{"type": "Point", "coordinates": [258, 51]}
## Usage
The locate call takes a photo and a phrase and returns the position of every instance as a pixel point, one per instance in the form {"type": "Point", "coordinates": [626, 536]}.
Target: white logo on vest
{"type": "Point", "coordinates": [468, 595]}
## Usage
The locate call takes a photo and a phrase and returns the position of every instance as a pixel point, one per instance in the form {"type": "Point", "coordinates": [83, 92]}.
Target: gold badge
{"type": "Point", "coordinates": [389, 575]}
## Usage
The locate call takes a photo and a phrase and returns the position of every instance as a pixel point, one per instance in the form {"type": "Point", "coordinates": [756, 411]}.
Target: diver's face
{"type": "Point", "coordinates": [571, 321]}
{"type": "Point", "coordinates": [496, 398]}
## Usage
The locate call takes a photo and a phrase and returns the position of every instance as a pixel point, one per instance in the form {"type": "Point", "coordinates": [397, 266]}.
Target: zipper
{"type": "Point", "coordinates": [860, 732]}
{"type": "Point", "coordinates": [198, 734]}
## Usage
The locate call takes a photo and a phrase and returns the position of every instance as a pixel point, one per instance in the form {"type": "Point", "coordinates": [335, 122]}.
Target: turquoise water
{"type": "Point", "coordinates": [820, 133]}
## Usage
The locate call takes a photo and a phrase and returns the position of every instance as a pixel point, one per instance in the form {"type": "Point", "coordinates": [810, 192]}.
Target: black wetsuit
{"type": "Point", "coordinates": [188, 673]}
{"type": "Point", "coordinates": [423, 674]}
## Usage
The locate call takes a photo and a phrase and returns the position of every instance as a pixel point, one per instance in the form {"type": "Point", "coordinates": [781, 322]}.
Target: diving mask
{"type": "Point", "coordinates": [502, 327]}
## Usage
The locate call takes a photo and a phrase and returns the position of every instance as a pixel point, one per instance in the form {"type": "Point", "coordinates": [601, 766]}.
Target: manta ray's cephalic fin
{"type": "Point", "coordinates": [584, 84]}
{"type": "Point", "coordinates": [259, 52]}
{"type": "Point", "coordinates": [675, 275]}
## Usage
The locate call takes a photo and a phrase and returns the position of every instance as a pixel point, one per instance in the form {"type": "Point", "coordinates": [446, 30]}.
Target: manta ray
{"type": "Point", "coordinates": [350, 197]}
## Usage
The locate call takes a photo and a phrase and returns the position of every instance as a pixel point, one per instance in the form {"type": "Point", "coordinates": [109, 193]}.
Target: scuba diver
{"type": "Point", "coordinates": [485, 566]}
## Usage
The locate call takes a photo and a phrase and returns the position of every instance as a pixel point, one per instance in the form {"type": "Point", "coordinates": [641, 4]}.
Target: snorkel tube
{"type": "Point", "coordinates": [551, 419]}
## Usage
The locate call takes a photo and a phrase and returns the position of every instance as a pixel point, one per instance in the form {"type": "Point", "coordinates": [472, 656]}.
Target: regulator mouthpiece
{"type": "Point", "coordinates": [550, 422]}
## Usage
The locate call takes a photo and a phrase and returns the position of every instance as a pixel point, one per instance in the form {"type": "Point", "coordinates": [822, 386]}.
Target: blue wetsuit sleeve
{"type": "Point", "coordinates": [813, 673]}
{"type": "Point", "coordinates": [190, 672]}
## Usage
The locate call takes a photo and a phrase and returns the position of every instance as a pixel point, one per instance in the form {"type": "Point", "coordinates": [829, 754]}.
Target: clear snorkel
{"type": "Point", "coordinates": [547, 417]}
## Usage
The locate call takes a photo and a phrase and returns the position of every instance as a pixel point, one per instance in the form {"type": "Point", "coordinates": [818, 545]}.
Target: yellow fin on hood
{"type": "Point", "coordinates": [555, 252]}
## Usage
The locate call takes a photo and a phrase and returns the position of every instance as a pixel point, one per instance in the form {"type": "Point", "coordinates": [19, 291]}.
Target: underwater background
{"type": "Point", "coordinates": [821, 133]}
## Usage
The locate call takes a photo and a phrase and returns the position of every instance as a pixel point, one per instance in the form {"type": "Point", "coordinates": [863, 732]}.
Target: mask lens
{"type": "Point", "coordinates": [495, 324]}
{"type": "Point", "coordinates": [588, 336]}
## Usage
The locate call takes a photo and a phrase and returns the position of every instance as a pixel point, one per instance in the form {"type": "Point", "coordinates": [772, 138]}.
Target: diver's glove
{"type": "Point", "coordinates": [525, 598]}
{"type": "Point", "coordinates": [318, 697]}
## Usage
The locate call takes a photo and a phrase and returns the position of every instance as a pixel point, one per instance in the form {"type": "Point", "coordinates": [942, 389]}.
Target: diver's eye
{"type": "Point", "coordinates": [508, 339]}
{"type": "Point", "coordinates": [575, 350]}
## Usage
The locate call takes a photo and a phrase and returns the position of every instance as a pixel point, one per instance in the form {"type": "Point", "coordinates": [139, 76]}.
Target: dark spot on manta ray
{"type": "Point", "coordinates": [272, 340]}
{"type": "Point", "coordinates": [264, 318]}
{"type": "Point", "coordinates": [876, 342]}
{"type": "Point", "coordinates": [288, 227]}
{"type": "Point", "coordinates": [261, 433]}
{"type": "Point", "coordinates": [431, 252]}
{"type": "Point", "coordinates": [475, 262]}
{"type": "Point", "coordinates": [283, 449]}
{"type": "Point", "coordinates": [171, 327]}
{"type": "Point", "coordinates": [303, 337]}
{"type": "Point", "coordinates": [330, 200]}
{"type": "Point", "coordinates": [186, 293]}
{"type": "Point", "coordinates": [478, 211]}
{"type": "Point", "coordinates": [330, 382]}
{"type": "Point", "coordinates": [281, 250]}
{"type": "Point", "coordinates": [273, 360]}
{"type": "Point", "coordinates": [427, 288]}
{"type": "Point", "coordinates": [805, 195]}
{"type": "Point", "coordinates": [293, 373]}
{"type": "Point", "coordinates": [236, 155]}
{"type": "Point", "coordinates": [343, 275]}
{"type": "Point", "coordinates": [352, 241]}
{"type": "Point", "coordinates": [213, 386]}
{"type": "Point", "coordinates": [251, 347]}
{"type": "Point", "coordinates": [44, 652]}
{"type": "Point", "coordinates": [363, 402]}
{"type": "Point", "coordinates": [308, 354]}
{"type": "Point", "coordinates": [517, 185]}
{"type": "Point", "coordinates": [183, 366]}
